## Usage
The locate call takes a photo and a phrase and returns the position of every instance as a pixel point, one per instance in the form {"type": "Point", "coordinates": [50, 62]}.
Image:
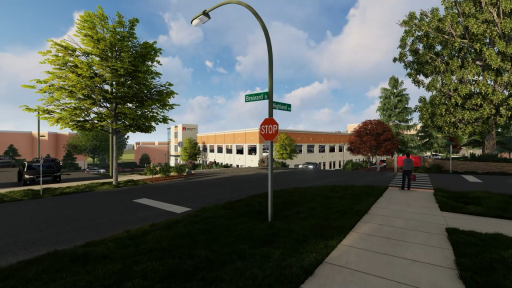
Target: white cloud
{"type": "Point", "coordinates": [208, 64]}
{"type": "Point", "coordinates": [314, 93]}
{"type": "Point", "coordinates": [220, 99]}
{"type": "Point", "coordinates": [173, 71]}
{"type": "Point", "coordinates": [375, 91]}
{"type": "Point", "coordinates": [181, 32]}
{"type": "Point", "coordinates": [221, 70]}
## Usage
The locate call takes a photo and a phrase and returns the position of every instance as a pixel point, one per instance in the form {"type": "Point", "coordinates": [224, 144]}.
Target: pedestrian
{"type": "Point", "coordinates": [407, 171]}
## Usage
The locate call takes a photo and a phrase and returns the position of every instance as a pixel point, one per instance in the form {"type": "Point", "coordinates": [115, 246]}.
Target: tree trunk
{"type": "Point", "coordinates": [114, 160]}
{"type": "Point", "coordinates": [490, 140]}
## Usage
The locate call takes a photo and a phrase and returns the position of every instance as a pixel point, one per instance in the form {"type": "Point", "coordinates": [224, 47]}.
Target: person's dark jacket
{"type": "Point", "coordinates": [408, 164]}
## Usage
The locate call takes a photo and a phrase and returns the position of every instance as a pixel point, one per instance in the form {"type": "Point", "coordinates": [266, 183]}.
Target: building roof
{"type": "Point", "coordinates": [280, 130]}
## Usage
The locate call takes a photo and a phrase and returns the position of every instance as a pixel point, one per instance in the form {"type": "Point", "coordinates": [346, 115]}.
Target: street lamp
{"type": "Point", "coordinates": [202, 18]}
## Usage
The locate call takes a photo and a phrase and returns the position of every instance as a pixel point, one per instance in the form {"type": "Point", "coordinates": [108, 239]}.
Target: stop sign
{"type": "Point", "coordinates": [269, 129]}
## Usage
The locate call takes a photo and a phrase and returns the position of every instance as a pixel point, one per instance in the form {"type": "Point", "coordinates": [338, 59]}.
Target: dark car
{"type": "Point", "coordinates": [30, 173]}
{"type": "Point", "coordinates": [55, 161]}
{"type": "Point", "coordinates": [309, 165]}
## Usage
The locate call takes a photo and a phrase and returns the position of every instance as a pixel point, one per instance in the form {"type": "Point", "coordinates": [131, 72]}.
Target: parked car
{"type": "Point", "coordinates": [30, 173]}
{"type": "Point", "coordinates": [95, 170]}
{"type": "Point", "coordinates": [309, 165]}
{"type": "Point", "coordinates": [436, 156]}
{"type": "Point", "coordinates": [6, 161]}
{"type": "Point", "coordinates": [55, 161]}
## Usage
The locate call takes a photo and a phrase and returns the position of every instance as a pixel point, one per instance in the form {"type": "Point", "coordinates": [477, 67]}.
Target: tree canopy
{"type": "Point", "coordinates": [285, 147]}
{"type": "Point", "coordinates": [189, 150]}
{"type": "Point", "coordinates": [105, 77]}
{"type": "Point", "coordinates": [95, 144]}
{"type": "Point", "coordinates": [394, 110]}
{"type": "Point", "coordinates": [12, 152]}
{"type": "Point", "coordinates": [144, 159]}
{"type": "Point", "coordinates": [68, 161]}
{"type": "Point", "coordinates": [430, 140]}
{"type": "Point", "coordinates": [373, 138]}
{"type": "Point", "coordinates": [463, 57]}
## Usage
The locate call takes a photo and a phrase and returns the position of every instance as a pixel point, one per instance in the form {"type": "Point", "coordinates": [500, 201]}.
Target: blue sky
{"type": "Point", "coordinates": [330, 58]}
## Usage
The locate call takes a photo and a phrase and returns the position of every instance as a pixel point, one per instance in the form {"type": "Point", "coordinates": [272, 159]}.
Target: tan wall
{"type": "Point", "coordinates": [155, 152]}
{"type": "Point", "coordinates": [254, 137]}
{"type": "Point", "coordinates": [239, 138]}
{"type": "Point", "coordinates": [26, 143]}
{"type": "Point", "coordinates": [461, 166]}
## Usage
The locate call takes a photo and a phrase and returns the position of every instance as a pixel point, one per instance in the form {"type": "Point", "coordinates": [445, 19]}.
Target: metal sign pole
{"type": "Point", "coordinates": [41, 174]}
{"type": "Point", "coordinates": [450, 158]}
{"type": "Point", "coordinates": [270, 190]}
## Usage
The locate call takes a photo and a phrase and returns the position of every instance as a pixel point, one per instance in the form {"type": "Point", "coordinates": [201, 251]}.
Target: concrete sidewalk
{"type": "Point", "coordinates": [65, 184]}
{"type": "Point", "coordinates": [400, 242]}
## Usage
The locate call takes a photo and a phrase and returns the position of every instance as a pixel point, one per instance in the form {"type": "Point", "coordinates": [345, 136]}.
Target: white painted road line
{"type": "Point", "coordinates": [162, 205]}
{"type": "Point", "coordinates": [471, 178]}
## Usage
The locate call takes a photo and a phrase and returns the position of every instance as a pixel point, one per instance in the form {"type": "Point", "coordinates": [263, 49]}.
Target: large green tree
{"type": "Point", "coordinates": [189, 150]}
{"type": "Point", "coordinates": [12, 152]}
{"type": "Point", "coordinates": [68, 161]}
{"type": "Point", "coordinates": [106, 76]}
{"type": "Point", "coordinates": [95, 144]}
{"type": "Point", "coordinates": [430, 140]}
{"type": "Point", "coordinates": [285, 147]}
{"type": "Point", "coordinates": [464, 58]}
{"type": "Point", "coordinates": [394, 110]}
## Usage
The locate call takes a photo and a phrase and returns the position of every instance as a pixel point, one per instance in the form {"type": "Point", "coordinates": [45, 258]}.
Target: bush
{"type": "Point", "coordinates": [165, 170]}
{"type": "Point", "coordinates": [191, 165]}
{"type": "Point", "coordinates": [486, 158]}
{"type": "Point", "coordinates": [351, 165]}
{"type": "Point", "coordinates": [151, 169]}
{"type": "Point", "coordinates": [263, 162]}
{"type": "Point", "coordinates": [180, 169]}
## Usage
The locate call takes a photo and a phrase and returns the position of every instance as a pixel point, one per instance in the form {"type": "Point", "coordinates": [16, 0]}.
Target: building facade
{"type": "Point", "coordinates": [157, 151]}
{"type": "Point", "coordinates": [26, 142]}
{"type": "Point", "coordinates": [244, 148]}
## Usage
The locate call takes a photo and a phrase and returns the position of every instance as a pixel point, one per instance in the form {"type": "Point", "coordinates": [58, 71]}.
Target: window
{"type": "Point", "coordinates": [219, 148]}
{"type": "Point", "coordinates": [251, 149]}
{"type": "Point", "coordinates": [321, 149]}
{"type": "Point", "coordinates": [175, 134]}
{"type": "Point", "coordinates": [240, 149]}
{"type": "Point", "coordinates": [311, 148]}
{"type": "Point", "coordinates": [212, 148]}
{"type": "Point", "coordinates": [205, 149]}
{"type": "Point", "coordinates": [340, 148]}
{"type": "Point", "coordinates": [299, 149]}
{"type": "Point", "coordinates": [340, 165]}
{"type": "Point", "coordinates": [266, 146]}
{"type": "Point", "coordinates": [229, 149]}
{"type": "Point", "coordinates": [175, 148]}
{"type": "Point", "coordinates": [332, 148]}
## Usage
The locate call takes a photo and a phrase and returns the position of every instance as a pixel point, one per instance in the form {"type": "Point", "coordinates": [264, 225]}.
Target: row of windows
{"type": "Point", "coordinates": [252, 149]}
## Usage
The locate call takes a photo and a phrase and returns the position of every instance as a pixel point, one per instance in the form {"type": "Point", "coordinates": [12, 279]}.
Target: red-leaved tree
{"type": "Point", "coordinates": [372, 138]}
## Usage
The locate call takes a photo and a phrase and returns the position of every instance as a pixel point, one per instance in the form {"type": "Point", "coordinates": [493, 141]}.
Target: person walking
{"type": "Point", "coordinates": [407, 171]}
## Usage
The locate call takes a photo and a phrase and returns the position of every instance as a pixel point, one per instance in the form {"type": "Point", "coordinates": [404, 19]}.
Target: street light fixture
{"type": "Point", "coordinates": [202, 18]}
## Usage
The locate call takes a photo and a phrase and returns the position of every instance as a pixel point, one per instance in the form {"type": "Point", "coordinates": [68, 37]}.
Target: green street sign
{"type": "Point", "coordinates": [256, 96]}
{"type": "Point", "coordinates": [282, 106]}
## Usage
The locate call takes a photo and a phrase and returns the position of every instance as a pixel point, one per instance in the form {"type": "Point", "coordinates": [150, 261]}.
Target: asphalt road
{"type": "Point", "coordinates": [33, 227]}
{"type": "Point", "coordinates": [455, 182]}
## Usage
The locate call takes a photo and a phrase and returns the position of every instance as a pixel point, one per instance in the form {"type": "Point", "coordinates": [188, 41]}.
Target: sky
{"type": "Point", "coordinates": [331, 57]}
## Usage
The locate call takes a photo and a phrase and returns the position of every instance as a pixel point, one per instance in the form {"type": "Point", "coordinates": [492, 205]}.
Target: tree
{"type": "Point", "coordinates": [48, 156]}
{"type": "Point", "coordinates": [144, 159]}
{"type": "Point", "coordinates": [373, 138]}
{"type": "Point", "coordinates": [430, 140]}
{"type": "Point", "coordinates": [12, 152]}
{"type": "Point", "coordinates": [463, 58]}
{"type": "Point", "coordinates": [95, 144]}
{"type": "Point", "coordinates": [68, 161]}
{"type": "Point", "coordinates": [285, 147]}
{"type": "Point", "coordinates": [189, 150]}
{"type": "Point", "coordinates": [105, 77]}
{"type": "Point", "coordinates": [394, 110]}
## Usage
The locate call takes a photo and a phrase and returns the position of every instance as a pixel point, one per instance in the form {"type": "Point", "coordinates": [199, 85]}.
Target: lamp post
{"type": "Point", "coordinates": [202, 18]}
{"type": "Point", "coordinates": [39, 153]}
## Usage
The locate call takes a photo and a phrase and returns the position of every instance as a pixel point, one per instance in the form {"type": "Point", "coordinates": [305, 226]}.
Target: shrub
{"type": "Point", "coordinates": [263, 162]}
{"type": "Point", "coordinates": [151, 170]}
{"type": "Point", "coordinates": [165, 170]}
{"type": "Point", "coordinates": [487, 158]}
{"type": "Point", "coordinates": [191, 165]}
{"type": "Point", "coordinates": [351, 165]}
{"type": "Point", "coordinates": [180, 169]}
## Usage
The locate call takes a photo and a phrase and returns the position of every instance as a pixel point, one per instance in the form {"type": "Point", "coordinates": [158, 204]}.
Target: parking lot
{"type": "Point", "coordinates": [8, 177]}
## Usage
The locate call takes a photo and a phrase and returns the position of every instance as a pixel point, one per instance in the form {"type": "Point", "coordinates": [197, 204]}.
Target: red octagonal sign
{"type": "Point", "coordinates": [269, 129]}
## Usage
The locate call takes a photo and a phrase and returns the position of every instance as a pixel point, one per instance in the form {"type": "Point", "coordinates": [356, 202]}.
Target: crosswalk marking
{"type": "Point", "coordinates": [422, 182]}
{"type": "Point", "coordinates": [471, 178]}
{"type": "Point", "coordinates": [162, 205]}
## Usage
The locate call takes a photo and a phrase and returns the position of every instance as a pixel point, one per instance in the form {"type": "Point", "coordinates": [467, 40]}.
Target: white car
{"type": "Point", "coordinates": [436, 156]}
{"type": "Point", "coordinates": [95, 170]}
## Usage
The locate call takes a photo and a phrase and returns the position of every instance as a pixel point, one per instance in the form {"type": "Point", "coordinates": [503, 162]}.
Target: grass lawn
{"type": "Point", "coordinates": [227, 245]}
{"type": "Point", "coordinates": [479, 203]}
{"type": "Point", "coordinates": [27, 194]}
{"type": "Point", "coordinates": [483, 259]}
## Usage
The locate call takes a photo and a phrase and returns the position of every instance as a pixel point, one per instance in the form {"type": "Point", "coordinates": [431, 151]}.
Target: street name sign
{"type": "Point", "coordinates": [282, 106]}
{"type": "Point", "coordinates": [258, 96]}
{"type": "Point", "coordinates": [269, 129]}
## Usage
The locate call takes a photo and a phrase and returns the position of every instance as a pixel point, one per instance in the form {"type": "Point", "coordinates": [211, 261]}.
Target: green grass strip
{"type": "Point", "coordinates": [479, 203]}
{"type": "Point", "coordinates": [227, 245]}
{"type": "Point", "coordinates": [482, 259]}
{"type": "Point", "coordinates": [27, 194]}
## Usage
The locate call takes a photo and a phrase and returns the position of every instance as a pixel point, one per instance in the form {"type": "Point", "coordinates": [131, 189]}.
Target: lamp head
{"type": "Point", "coordinates": [201, 18]}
